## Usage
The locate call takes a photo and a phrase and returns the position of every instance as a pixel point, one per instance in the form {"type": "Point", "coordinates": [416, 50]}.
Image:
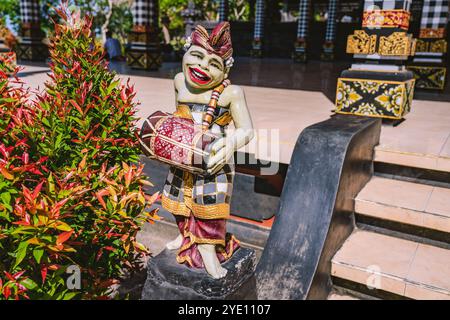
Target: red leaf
{"type": "Point", "coordinates": [63, 237]}
{"type": "Point", "coordinates": [44, 273]}
{"type": "Point", "coordinates": [18, 274]}
{"type": "Point", "coordinates": [6, 174]}
{"type": "Point", "coordinates": [6, 292]}
{"type": "Point", "coordinates": [27, 218]}
{"type": "Point", "coordinates": [42, 160]}
{"type": "Point", "coordinates": [108, 283]}
{"type": "Point", "coordinates": [21, 223]}
{"type": "Point", "coordinates": [53, 267]}
{"type": "Point", "coordinates": [37, 190]}
{"type": "Point", "coordinates": [26, 193]}
{"type": "Point", "coordinates": [25, 158]}
{"type": "Point", "coordinates": [123, 95]}
{"type": "Point", "coordinates": [99, 254]}
{"type": "Point", "coordinates": [75, 104]}
{"type": "Point", "coordinates": [3, 151]}
{"type": "Point", "coordinates": [9, 276]}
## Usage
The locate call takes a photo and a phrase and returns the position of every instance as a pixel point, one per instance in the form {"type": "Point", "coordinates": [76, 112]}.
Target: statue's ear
{"type": "Point", "coordinates": [227, 71]}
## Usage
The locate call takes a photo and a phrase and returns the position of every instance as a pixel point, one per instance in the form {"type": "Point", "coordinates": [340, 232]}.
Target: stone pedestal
{"type": "Point", "coordinates": [428, 76]}
{"type": "Point", "coordinates": [375, 94]}
{"type": "Point", "coordinates": [169, 280]}
{"type": "Point", "coordinates": [327, 51]}
{"type": "Point", "coordinates": [430, 61]}
{"type": "Point", "coordinates": [145, 52]}
{"type": "Point", "coordinates": [299, 54]}
{"type": "Point", "coordinates": [378, 85]}
{"type": "Point", "coordinates": [32, 47]}
{"type": "Point", "coordinates": [144, 39]}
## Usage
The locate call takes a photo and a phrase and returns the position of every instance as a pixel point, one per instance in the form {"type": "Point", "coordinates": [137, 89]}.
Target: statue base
{"type": "Point", "coordinates": [169, 280]}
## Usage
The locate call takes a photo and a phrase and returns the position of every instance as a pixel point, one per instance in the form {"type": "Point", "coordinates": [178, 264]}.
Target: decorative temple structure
{"type": "Point", "coordinates": [5, 49]}
{"type": "Point", "coordinates": [429, 63]}
{"type": "Point", "coordinates": [330, 33]}
{"type": "Point", "coordinates": [145, 51]}
{"type": "Point", "coordinates": [378, 84]}
{"type": "Point", "coordinates": [300, 54]}
{"type": "Point", "coordinates": [258, 32]}
{"type": "Point", "coordinates": [223, 10]}
{"type": "Point", "coordinates": [31, 47]}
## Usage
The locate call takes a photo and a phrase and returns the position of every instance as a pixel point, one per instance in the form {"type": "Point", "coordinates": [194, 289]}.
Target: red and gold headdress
{"type": "Point", "coordinates": [218, 42]}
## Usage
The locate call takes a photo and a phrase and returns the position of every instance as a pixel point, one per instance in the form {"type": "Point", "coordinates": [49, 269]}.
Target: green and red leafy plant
{"type": "Point", "coordinates": [71, 189]}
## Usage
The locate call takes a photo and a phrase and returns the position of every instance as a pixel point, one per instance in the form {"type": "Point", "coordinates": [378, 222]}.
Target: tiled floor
{"type": "Point", "coordinates": [423, 140]}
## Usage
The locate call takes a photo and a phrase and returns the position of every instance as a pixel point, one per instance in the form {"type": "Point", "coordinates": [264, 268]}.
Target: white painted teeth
{"type": "Point", "coordinates": [198, 75]}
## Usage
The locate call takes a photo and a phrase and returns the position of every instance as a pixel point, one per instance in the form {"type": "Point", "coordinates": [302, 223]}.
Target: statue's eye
{"type": "Point", "coordinates": [215, 65]}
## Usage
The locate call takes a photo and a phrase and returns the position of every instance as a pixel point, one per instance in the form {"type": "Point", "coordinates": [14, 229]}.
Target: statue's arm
{"type": "Point", "coordinates": [224, 148]}
{"type": "Point", "coordinates": [242, 120]}
{"type": "Point", "coordinates": [177, 82]}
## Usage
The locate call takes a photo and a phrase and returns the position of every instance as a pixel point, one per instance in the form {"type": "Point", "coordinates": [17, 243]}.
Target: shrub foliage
{"type": "Point", "coordinates": [71, 191]}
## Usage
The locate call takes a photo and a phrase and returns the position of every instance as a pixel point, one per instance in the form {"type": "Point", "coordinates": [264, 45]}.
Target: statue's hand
{"type": "Point", "coordinates": [221, 151]}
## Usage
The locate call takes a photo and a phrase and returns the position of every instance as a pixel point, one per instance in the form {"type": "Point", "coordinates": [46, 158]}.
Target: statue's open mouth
{"type": "Point", "coordinates": [198, 76]}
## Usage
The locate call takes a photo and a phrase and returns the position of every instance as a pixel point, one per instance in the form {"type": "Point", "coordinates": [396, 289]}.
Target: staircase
{"type": "Point", "coordinates": [400, 248]}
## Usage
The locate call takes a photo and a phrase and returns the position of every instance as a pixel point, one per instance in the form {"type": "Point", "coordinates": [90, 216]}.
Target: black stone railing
{"type": "Point", "coordinates": [331, 163]}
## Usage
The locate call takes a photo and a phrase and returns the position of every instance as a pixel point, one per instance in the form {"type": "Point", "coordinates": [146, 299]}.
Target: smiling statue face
{"type": "Point", "coordinates": [203, 70]}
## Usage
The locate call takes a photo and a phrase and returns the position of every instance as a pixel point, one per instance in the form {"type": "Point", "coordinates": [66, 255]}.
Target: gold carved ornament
{"type": "Point", "coordinates": [431, 33]}
{"type": "Point", "coordinates": [397, 44]}
{"type": "Point", "coordinates": [361, 43]}
{"type": "Point", "coordinates": [438, 46]}
{"type": "Point", "coordinates": [386, 19]}
{"type": "Point", "coordinates": [421, 46]}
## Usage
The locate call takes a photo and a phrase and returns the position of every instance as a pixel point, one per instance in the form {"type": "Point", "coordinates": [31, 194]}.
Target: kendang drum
{"type": "Point", "coordinates": [177, 141]}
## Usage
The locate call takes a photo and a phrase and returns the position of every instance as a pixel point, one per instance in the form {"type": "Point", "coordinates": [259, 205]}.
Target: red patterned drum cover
{"type": "Point", "coordinates": [176, 141]}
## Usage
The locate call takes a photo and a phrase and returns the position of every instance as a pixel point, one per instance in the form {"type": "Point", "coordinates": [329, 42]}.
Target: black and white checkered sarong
{"type": "Point", "coordinates": [387, 5]}
{"type": "Point", "coordinates": [434, 14]}
{"type": "Point", "coordinates": [29, 11]}
{"type": "Point", "coordinates": [207, 190]}
{"type": "Point", "coordinates": [145, 12]}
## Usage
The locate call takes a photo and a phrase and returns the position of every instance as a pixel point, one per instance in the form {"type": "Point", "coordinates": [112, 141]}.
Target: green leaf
{"type": "Point", "coordinates": [37, 253]}
{"type": "Point", "coordinates": [45, 122]}
{"type": "Point", "coordinates": [6, 197]}
{"type": "Point", "coordinates": [58, 140]}
{"type": "Point", "coordinates": [21, 252]}
{"type": "Point", "coordinates": [29, 284]}
{"type": "Point", "coordinates": [51, 184]}
{"type": "Point", "coordinates": [63, 226]}
{"type": "Point", "coordinates": [112, 86]}
{"type": "Point", "coordinates": [70, 295]}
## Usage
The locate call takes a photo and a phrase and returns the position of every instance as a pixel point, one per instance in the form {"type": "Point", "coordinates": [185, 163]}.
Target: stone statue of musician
{"type": "Point", "coordinates": [201, 203]}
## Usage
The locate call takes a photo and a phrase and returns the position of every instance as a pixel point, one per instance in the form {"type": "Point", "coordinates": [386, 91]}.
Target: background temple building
{"type": "Point", "coordinates": [276, 28]}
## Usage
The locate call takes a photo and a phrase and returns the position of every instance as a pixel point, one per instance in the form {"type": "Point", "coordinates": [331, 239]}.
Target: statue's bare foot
{"type": "Point", "coordinates": [212, 263]}
{"type": "Point", "coordinates": [175, 244]}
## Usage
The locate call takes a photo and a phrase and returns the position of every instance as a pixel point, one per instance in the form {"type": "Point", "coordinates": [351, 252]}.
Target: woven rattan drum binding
{"type": "Point", "coordinates": [180, 142]}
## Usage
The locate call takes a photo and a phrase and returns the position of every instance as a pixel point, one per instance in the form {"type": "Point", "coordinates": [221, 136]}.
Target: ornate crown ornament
{"type": "Point", "coordinates": [217, 42]}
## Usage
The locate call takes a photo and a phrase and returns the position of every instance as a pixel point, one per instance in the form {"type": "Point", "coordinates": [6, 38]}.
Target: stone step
{"type": "Point", "coordinates": [394, 266]}
{"type": "Point", "coordinates": [340, 296]}
{"type": "Point", "coordinates": [421, 141]}
{"type": "Point", "coordinates": [415, 204]}
{"type": "Point", "coordinates": [430, 161]}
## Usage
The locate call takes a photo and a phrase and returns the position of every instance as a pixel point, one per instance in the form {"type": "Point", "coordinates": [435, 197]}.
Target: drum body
{"type": "Point", "coordinates": [176, 141]}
